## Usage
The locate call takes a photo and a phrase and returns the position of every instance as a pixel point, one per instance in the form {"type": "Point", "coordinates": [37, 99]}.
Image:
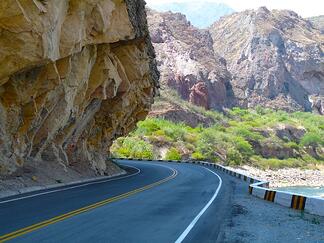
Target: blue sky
{"type": "Point", "coordinates": [305, 8]}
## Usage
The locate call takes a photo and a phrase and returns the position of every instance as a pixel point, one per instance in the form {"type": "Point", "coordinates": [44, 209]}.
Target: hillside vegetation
{"type": "Point", "coordinates": [262, 137]}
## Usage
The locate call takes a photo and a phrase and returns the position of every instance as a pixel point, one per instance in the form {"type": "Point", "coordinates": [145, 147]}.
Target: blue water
{"type": "Point", "coordinates": [307, 191]}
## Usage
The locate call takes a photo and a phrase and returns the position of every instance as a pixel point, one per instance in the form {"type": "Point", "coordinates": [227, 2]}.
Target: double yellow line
{"type": "Point", "coordinates": [62, 217]}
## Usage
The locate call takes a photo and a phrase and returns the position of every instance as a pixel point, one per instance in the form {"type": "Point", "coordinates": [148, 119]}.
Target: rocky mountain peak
{"type": "Point", "coordinates": [271, 58]}
{"type": "Point", "coordinates": [186, 59]}
{"type": "Point", "coordinates": [317, 22]}
{"type": "Point", "coordinates": [275, 58]}
{"type": "Point", "coordinates": [263, 12]}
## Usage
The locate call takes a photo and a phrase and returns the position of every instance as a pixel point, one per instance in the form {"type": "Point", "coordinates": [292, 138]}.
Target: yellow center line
{"type": "Point", "coordinates": [62, 217]}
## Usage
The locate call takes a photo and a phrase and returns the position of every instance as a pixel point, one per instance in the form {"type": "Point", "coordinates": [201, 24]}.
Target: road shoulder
{"type": "Point", "coordinates": [255, 220]}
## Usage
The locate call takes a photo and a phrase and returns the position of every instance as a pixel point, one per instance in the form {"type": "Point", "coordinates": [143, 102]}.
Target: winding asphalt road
{"type": "Point", "coordinates": [154, 202]}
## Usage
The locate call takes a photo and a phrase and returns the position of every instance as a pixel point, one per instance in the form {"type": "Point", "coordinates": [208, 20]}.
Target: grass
{"type": "Point", "coordinates": [236, 138]}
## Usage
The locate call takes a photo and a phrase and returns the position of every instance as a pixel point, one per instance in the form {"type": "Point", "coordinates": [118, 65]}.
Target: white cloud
{"type": "Point", "coordinates": [305, 8]}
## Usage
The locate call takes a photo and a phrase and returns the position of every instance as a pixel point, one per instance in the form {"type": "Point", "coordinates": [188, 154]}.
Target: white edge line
{"type": "Point", "coordinates": [72, 187]}
{"type": "Point", "coordinates": [195, 220]}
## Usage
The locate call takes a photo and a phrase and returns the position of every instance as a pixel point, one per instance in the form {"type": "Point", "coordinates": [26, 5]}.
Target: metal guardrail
{"type": "Point", "coordinates": [260, 189]}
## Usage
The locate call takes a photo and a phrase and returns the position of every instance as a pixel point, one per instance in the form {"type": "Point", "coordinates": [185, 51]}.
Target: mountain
{"type": "Point", "coordinates": [318, 22]}
{"type": "Point", "coordinates": [275, 58]}
{"type": "Point", "coordinates": [187, 62]}
{"type": "Point", "coordinates": [200, 14]}
{"type": "Point", "coordinates": [252, 58]}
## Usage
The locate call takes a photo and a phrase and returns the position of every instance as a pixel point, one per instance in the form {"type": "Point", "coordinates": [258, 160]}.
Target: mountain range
{"type": "Point", "coordinates": [252, 58]}
{"type": "Point", "coordinates": [200, 14]}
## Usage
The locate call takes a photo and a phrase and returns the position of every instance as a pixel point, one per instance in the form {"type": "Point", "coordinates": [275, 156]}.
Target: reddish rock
{"type": "Point", "coordinates": [186, 57]}
{"type": "Point", "coordinates": [199, 95]}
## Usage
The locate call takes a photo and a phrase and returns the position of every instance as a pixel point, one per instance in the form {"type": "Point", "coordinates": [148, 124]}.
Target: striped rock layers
{"type": "Point", "coordinates": [74, 75]}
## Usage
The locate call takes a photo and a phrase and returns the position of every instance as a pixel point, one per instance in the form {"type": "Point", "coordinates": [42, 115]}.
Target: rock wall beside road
{"type": "Point", "coordinates": [74, 75]}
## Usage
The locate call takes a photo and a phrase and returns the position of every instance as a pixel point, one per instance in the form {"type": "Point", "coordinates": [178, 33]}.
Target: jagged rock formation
{"type": "Point", "coordinates": [318, 22]}
{"type": "Point", "coordinates": [167, 107]}
{"type": "Point", "coordinates": [199, 95]}
{"type": "Point", "coordinates": [74, 75]}
{"type": "Point", "coordinates": [275, 58]}
{"type": "Point", "coordinates": [201, 14]}
{"type": "Point", "coordinates": [256, 57]}
{"type": "Point", "coordinates": [187, 61]}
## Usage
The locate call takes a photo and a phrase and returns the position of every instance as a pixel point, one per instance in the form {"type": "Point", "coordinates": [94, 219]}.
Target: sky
{"type": "Point", "coordinates": [305, 8]}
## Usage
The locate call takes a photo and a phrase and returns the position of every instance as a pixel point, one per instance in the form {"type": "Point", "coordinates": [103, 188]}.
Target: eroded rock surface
{"type": "Point", "coordinates": [187, 61]}
{"type": "Point", "coordinates": [74, 75]}
{"type": "Point", "coordinates": [275, 58]}
{"type": "Point", "coordinates": [318, 22]}
{"type": "Point", "coordinates": [252, 58]}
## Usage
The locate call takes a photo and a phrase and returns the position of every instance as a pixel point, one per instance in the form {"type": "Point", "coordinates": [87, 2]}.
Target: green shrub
{"type": "Point", "coordinates": [309, 159]}
{"type": "Point", "coordinates": [229, 137]}
{"type": "Point", "coordinates": [275, 164]}
{"type": "Point", "coordinates": [190, 146]}
{"type": "Point", "coordinates": [238, 112]}
{"type": "Point", "coordinates": [234, 158]}
{"type": "Point", "coordinates": [244, 132]}
{"type": "Point", "coordinates": [198, 156]}
{"type": "Point", "coordinates": [159, 133]}
{"type": "Point", "coordinates": [312, 139]}
{"type": "Point", "coordinates": [173, 154]}
{"type": "Point", "coordinates": [190, 138]}
{"type": "Point", "coordinates": [122, 152]}
{"type": "Point", "coordinates": [133, 148]}
{"type": "Point", "coordinates": [292, 145]}
{"type": "Point", "coordinates": [147, 127]}
{"type": "Point", "coordinates": [244, 147]}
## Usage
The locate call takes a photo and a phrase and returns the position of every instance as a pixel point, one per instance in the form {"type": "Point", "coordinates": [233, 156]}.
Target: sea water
{"type": "Point", "coordinates": [307, 191]}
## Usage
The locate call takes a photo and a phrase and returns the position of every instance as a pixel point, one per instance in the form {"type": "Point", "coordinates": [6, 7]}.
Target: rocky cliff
{"type": "Point", "coordinates": [275, 58]}
{"type": "Point", "coordinates": [187, 61]}
{"type": "Point", "coordinates": [318, 22]}
{"type": "Point", "coordinates": [74, 75]}
{"type": "Point", "coordinates": [200, 13]}
{"type": "Point", "coordinates": [256, 57]}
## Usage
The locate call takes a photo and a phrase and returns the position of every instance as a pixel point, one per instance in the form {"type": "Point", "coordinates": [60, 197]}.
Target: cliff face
{"type": "Point", "coordinates": [318, 22]}
{"type": "Point", "coordinates": [201, 14]}
{"type": "Point", "coordinates": [187, 61]}
{"type": "Point", "coordinates": [256, 57]}
{"type": "Point", "coordinates": [74, 75]}
{"type": "Point", "coordinates": [275, 58]}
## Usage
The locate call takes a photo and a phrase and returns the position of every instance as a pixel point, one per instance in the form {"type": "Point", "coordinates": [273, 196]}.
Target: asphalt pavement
{"type": "Point", "coordinates": [154, 202]}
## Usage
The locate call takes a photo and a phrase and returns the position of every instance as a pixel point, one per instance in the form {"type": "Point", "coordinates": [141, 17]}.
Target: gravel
{"type": "Point", "coordinates": [255, 220]}
{"type": "Point", "coordinates": [285, 177]}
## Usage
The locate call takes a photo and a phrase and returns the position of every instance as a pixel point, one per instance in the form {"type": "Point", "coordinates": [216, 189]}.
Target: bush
{"type": "Point", "coordinates": [133, 148]}
{"type": "Point", "coordinates": [190, 138]}
{"type": "Point", "coordinates": [244, 132]}
{"type": "Point", "coordinates": [243, 147]}
{"type": "Point", "coordinates": [276, 163]}
{"type": "Point", "coordinates": [292, 145]}
{"type": "Point", "coordinates": [122, 152]}
{"type": "Point", "coordinates": [198, 156]}
{"type": "Point", "coordinates": [230, 137]}
{"type": "Point", "coordinates": [173, 154]}
{"type": "Point", "coordinates": [159, 133]}
{"type": "Point", "coordinates": [209, 141]}
{"type": "Point", "coordinates": [147, 127]}
{"type": "Point", "coordinates": [234, 157]}
{"type": "Point", "coordinates": [312, 139]}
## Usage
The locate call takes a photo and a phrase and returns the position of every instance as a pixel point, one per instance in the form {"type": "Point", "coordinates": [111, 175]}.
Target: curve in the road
{"type": "Point", "coordinates": [184, 206]}
{"type": "Point", "coordinates": [195, 220]}
{"type": "Point", "coordinates": [73, 187]}
{"type": "Point", "coordinates": [59, 218]}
